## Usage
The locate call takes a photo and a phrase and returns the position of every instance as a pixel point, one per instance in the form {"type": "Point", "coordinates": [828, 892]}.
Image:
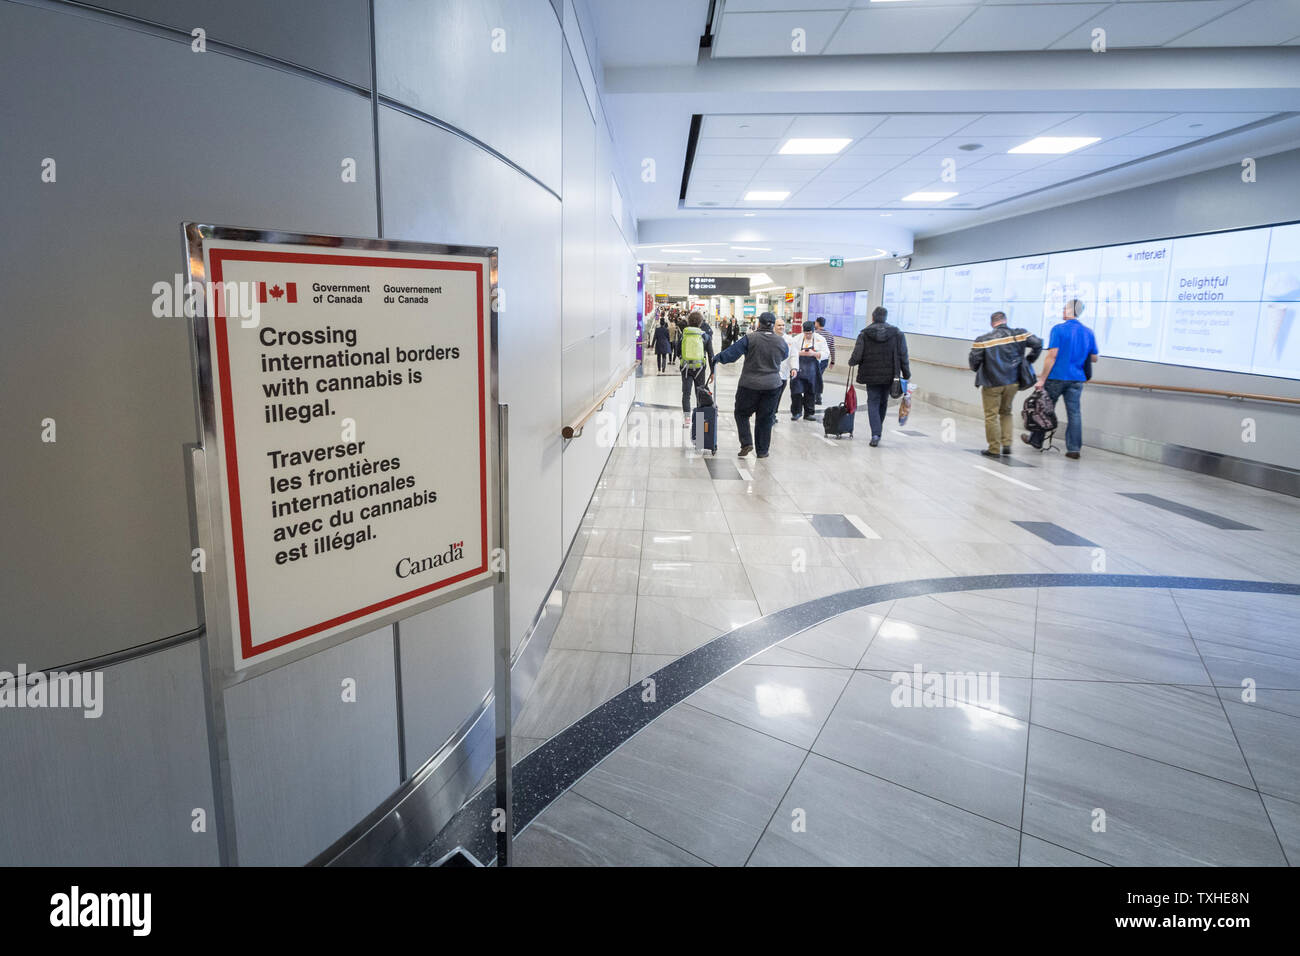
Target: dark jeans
{"type": "Point", "coordinates": [802, 402]}
{"type": "Point", "coordinates": [663, 360]}
{"type": "Point", "coordinates": [877, 406]}
{"type": "Point", "coordinates": [1073, 392]}
{"type": "Point", "coordinates": [776, 409]}
{"type": "Point", "coordinates": [824, 363]}
{"type": "Point", "coordinates": [761, 403]}
{"type": "Point", "coordinates": [691, 377]}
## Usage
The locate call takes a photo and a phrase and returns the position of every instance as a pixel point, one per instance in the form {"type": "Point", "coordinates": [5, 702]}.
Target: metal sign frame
{"type": "Point", "coordinates": [219, 664]}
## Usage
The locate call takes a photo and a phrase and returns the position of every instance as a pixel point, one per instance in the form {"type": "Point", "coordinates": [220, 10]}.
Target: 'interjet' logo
{"type": "Point", "coordinates": [74, 909]}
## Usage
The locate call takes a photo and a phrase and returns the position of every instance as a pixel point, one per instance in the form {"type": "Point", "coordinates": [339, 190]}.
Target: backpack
{"type": "Point", "coordinates": [1039, 417]}
{"type": "Point", "coordinates": [692, 346]}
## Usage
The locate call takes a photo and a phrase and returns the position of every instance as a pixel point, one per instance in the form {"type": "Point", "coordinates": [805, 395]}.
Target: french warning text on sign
{"type": "Point", "coordinates": [352, 429]}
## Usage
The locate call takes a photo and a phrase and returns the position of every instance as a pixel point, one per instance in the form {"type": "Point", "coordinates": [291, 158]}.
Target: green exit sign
{"type": "Point", "coordinates": [837, 263]}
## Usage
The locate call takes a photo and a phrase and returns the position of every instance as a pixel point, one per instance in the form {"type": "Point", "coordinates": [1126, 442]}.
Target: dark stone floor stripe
{"type": "Point", "coordinates": [1055, 534]}
{"type": "Point", "coordinates": [722, 469]}
{"type": "Point", "coordinates": [834, 526]}
{"type": "Point", "coordinates": [545, 774]}
{"type": "Point", "coordinates": [1187, 511]}
{"type": "Point", "coordinates": [1011, 461]}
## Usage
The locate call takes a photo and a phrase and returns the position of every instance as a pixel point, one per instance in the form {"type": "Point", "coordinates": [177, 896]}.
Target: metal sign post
{"type": "Point", "coordinates": [501, 671]}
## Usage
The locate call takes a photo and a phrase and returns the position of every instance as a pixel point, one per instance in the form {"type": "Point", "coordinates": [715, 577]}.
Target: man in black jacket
{"type": "Point", "coordinates": [881, 356]}
{"type": "Point", "coordinates": [995, 358]}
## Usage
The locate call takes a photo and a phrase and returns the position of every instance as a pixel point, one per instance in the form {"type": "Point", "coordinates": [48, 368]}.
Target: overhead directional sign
{"type": "Point", "coordinates": [719, 285]}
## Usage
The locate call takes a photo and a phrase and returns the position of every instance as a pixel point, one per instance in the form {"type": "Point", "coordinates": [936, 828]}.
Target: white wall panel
{"type": "Point", "coordinates": [115, 790]}
{"type": "Point", "coordinates": [437, 56]}
{"type": "Point", "coordinates": [144, 134]}
{"type": "Point", "coordinates": [328, 36]}
{"type": "Point", "coordinates": [580, 202]}
{"type": "Point", "coordinates": [476, 199]}
{"type": "Point", "coordinates": [305, 763]}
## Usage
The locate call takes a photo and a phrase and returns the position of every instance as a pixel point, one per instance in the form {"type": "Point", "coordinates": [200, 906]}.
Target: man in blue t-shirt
{"type": "Point", "coordinates": [1067, 364]}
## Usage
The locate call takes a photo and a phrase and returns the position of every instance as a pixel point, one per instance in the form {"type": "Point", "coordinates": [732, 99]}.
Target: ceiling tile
{"type": "Point", "coordinates": [728, 163]}
{"type": "Point", "coordinates": [779, 162]}
{"type": "Point", "coordinates": [1144, 24]}
{"type": "Point", "coordinates": [735, 146]}
{"type": "Point", "coordinates": [921, 124]}
{"type": "Point", "coordinates": [1105, 124]}
{"type": "Point", "coordinates": [771, 125]}
{"type": "Point", "coordinates": [1020, 27]}
{"type": "Point", "coordinates": [1138, 145]}
{"type": "Point", "coordinates": [1260, 22]}
{"type": "Point", "coordinates": [836, 125]}
{"type": "Point", "coordinates": [895, 28]}
{"type": "Point", "coordinates": [1202, 124]}
{"type": "Point", "coordinates": [772, 34]}
{"type": "Point", "coordinates": [1012, 124]}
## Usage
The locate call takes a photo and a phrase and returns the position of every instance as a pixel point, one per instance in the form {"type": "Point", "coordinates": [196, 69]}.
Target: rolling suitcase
{"type": "Point", "coordinates": [837, 421]}
{"type": "Point", "coordinates": [704, 429]}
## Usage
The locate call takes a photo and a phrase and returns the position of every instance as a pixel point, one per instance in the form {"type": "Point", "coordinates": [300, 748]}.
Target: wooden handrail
{"type": "Point", "coordinates": [574, 429]}
{"type": "Point", "coordinates": [1220, 393]}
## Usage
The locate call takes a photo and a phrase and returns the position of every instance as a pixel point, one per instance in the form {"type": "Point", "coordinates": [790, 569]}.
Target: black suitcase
{"type": "Point", "coordinates": [704, 429]}
{"type": "Point", "coordinates": [837, 421]}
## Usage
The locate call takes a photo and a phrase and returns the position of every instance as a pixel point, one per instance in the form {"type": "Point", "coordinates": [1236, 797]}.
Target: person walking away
{"type": "Point", "coordinates": [810, 350]}
{"type": "Point", "coordinates": [880, 354]}
{"type": "Point", "coordinates": [996, 359]}
{"type": "Point", "coordinates": [759, 388]}
{"type": "Point", "coordinates": [1067, 364]}
{"type": "Point", "coordinates": [697, 361]}
{"type": "Point", "coordinates": [663, 345]}
{"type": "Point", "coordinates": [830, 345]}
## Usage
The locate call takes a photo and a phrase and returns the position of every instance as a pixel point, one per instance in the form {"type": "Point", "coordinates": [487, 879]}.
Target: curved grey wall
{"type": "Point", "coordinates": [458, 144]}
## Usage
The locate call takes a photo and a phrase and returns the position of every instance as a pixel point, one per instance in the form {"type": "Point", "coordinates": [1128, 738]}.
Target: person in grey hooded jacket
{"type": "Point", "coordinates": [760, 383]}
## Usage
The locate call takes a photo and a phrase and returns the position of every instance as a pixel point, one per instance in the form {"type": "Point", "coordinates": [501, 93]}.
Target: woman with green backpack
{"type": "Point", "coordinates": [696, 352]}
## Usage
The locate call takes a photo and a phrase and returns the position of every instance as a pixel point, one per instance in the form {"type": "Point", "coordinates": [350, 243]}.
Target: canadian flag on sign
{"type": "Point", "coordinates": [289, 293]}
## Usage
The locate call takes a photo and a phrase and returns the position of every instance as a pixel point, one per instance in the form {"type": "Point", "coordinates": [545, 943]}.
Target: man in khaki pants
{"type": "Point", "coordinates": [996, 358]}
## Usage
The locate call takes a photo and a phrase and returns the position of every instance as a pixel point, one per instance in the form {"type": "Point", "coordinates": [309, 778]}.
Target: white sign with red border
{"type": "Point", "coordinates": [350, 447]}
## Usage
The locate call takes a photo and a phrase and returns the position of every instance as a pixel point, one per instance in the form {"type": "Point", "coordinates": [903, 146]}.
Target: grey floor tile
{"type": "Point", "coordinates": [1155, 814]}
{"type": "Point", "coordinates": [695, 581]}
{"type": "Point", "coordinates": [1008, 624]}
{"type": "Point", "coordinates": [596, 622]}
{"type": "Point", "coordinates": [1259, 622]}
{"type": "Point", "coordinates": [901, 646]}
{"type": "Point", "coordinates": [673, 546]}
{"type": "Point", "coordinates": [1183, 726]}
{"type": "Point", "coordinates": [1229, 665]}
{"type": "Point", "coordinates": [570, 684]}
{"type": "Point", "coordinates": [1153, 609]}
{"type": "Point", "coordinates": [617, 518]}
{"type": "Point", "coordinates": [1036, 852]}
{"type": "Point", "coordinates": [1285, 816]}
{"type": "Point", "coordinates": [573, 831]}
{"type": "Point", "coordinates": [777, 586]}
{"type": "Point", "coordinates": [703, 783]}
{"type": "Point", "coordinates": [643, 665]}
{"type": "Point", "coordinates": [850, 818]}
{"type": "Point", "coordinates": [1102, 650]}
{"type": "Point", "coordinates": [609, 542]}
{"type": "Point", "coordinates": [788, 703]}
{"type": "Point", "coordinates": [1271, 742]}
{"type": "Point", "coordinates": [685, 519]}
{"type": "Point", "coordinates": [787, 549]}
{"type": "Point", "coordinates": [669, 625]}
{"type": "Point", "coordinates": [964, 755]}
{"type": "Point", "coordinates": [607, 575]}
{"type": "Point", "coordinates": [843, 639]}
{"type": "Point", "coordinates": [740, 522]}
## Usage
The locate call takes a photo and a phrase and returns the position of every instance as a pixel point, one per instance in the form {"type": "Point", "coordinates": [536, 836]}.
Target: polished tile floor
{"type": "Point", "coordinates": [1051, 726]}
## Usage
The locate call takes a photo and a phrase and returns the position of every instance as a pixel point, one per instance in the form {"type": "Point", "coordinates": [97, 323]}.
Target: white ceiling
{"type": "Point", "coordinates": [893, 155]}
{"type": "Point", "coordinates": [749, 28]}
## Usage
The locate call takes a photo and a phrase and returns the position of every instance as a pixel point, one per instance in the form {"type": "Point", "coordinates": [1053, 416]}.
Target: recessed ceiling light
{"type": "Point", "coordinates": [1054, 144]}
{"type": "Point", "coordinates": [751, 249]}
{"type": "Point", "coordinates": [885, 215]}
{"type": "Point", "coordinates": [766, 195]}
{"type": "Point", "coordinates": [749, 214]}
{"type": "Point", "coordinates": [683, 251]}
{"type": "Point", "coordinates": [927, 197]}
{"type": "Point", "coordinates": [812, 147]}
